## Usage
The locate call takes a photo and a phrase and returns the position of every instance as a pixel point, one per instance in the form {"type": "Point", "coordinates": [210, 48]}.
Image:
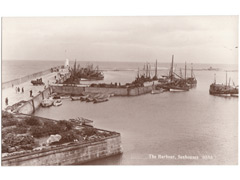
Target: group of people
{"type": "Point", "coordinates": [18, 90]}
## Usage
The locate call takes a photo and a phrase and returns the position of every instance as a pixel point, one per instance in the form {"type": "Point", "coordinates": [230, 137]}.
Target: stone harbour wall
{"type": "Point", "coordinates": [73, 90]}
{"type": "Point", "coordinates": [68, 154]}
{"type": "Point", "coordinates": [30, 106]}
{"type": "Point", "coordinates": [77, 90]}
{"type": "Point", "coordinates": [25, 78]}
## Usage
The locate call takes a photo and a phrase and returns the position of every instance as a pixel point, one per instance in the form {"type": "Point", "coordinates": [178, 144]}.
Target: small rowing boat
{"type": "Point", "coordinates": [75, 98]}
{"type": "Point", "coordinates": [57, 102]}
{"type": "Point", "coordinates": [47, 102]}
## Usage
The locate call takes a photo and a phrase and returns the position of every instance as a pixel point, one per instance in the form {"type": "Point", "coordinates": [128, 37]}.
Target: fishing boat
{"type": "Point", "coordinates": [176, 83]}
{"type": "Point", "coordinates": [157, 91]}
{"type": "Point", "coordinates": [84, 98]}
{"type": "Point", "coordinates": [47, 102]}
{"type": "Point", "coordinates": [65, 97]}
{"type": "Point", "coordinates": [101, 99]}
{"type": "Point", "coordinates": [223, 89]}
{"type": "Point", "coordinates": [234, 95]}
{"type": "Point", "coordinates": [57, 102]}
{"type": "Point", "coordinates": [56, 96]}
{"type": "Point", "coordinates": [192, 81]}
{"type": "Point", "coordinates": [75, 98]}
{"type": "Point", "coordinates": [89, 73]}
{"type": "Point", "coordinates": [92, 97]}
{"type": "Point", "coordinates": [89, 99]}
{"type": "Point", "coordinates": [81, 121]}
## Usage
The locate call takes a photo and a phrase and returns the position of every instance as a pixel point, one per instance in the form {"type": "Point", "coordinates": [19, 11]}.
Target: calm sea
{"type": "Point", "coordinates": [185, 124]}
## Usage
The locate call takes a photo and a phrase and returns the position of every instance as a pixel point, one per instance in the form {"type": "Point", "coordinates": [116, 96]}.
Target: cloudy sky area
{"type": "Point", "coordinates": [195, 39]}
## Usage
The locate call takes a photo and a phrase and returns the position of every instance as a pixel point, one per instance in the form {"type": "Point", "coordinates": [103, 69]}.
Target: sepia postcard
{"type": "Point", "coordinates": [119, 90]}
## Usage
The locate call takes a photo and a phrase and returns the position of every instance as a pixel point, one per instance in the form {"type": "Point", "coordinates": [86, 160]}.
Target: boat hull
{"type": "Point", "coordinates": [57, 103]}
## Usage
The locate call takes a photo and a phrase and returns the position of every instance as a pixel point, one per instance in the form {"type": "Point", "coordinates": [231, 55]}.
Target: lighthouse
{"type": "Point", "coordinates": [66, 66]}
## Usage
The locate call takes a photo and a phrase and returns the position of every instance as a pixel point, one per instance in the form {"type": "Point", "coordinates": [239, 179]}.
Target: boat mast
{"type": "Point", "coordinates": [156, 69]}
{"type": "Point", "coordinates": [146, 69]}
{"type": "Point", "coordinates": [191, 71]}
{"type": "Point", "coordinates": [149, 72]}
{"type": "Point", "coordinates": [171, 71]}
{"type": "Point", "coordinates": [138, 73]}
{"type": "Point", "coordinates": [181, 72]}
{"type": "Point", "coordinates": [214, 78]}
{"type": "Point", "coordinates": [226, 78]}
{"type": "Point", "coordinates": [185, 70]}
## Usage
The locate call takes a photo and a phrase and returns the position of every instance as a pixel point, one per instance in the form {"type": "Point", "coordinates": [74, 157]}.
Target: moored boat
{"type": "Point", "coordinates": [47, 102]}
{"type": "Point", "coordinates": [57, 102]}
{"type": "Point", "coordinates": [223, 89]}
{"type": "Point", "coordinates": [157, 91]}
{"type": "Point", "coordinates": [100, 100]}
{"type": "Point", "coordinates": [65, 97]}
{"type": "Point", "coordinates": [84, 98]}
{"type": "Point", "coordinates": [178, 89]}
{"type": "Point", "coordinates": [75, 98]}
{"type": "Point", "coordinates": [104, 98]}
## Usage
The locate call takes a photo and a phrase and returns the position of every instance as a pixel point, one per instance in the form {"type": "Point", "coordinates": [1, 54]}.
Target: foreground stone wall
{"type": "Point", "coordinates": [68, 154]}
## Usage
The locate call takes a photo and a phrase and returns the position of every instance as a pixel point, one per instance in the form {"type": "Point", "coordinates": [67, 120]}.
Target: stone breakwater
{"type": "Point", "coordinates": [69, 154]}
{"type": "Point", "coordinates": [21, 80]}
{"type": "Point", "coordinates": [77, 90]}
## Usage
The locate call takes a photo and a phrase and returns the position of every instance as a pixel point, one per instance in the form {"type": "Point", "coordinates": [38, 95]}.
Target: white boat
{"type": "Point", "coordinates": [47, 102]}
{"type": "Point", "coordinates": [64, 97]}
{"type": "Point", "coordinates": [177, 90]}
{"type": "Point", "coordinates": [157, 91]}
{"type": "Point", "coordinates": [57, 102]}
{"type": "Point", "coordinates": [75, 98]}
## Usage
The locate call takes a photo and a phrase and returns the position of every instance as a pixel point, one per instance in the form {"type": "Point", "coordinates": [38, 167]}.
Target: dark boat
{"type": "Point", "coordinates": [176, 83]}
{"type": "Point", "coordinates": [89, 73]}
{"type": "Point", "coordinates": [192, 81]}
{"type": "Point", "coordinates": [101, 99]}
{"type": "Point", "coordinates": [223, 89]}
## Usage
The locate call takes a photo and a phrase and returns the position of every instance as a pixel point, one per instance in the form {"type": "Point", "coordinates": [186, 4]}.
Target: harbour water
{"type": "Point", "coordinates": [169, 128]}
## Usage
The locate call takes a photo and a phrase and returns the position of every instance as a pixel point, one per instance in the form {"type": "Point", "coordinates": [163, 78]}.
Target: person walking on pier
{"type": "Point", "coordinates": [6, 101]}
{"type": "Point", "coordinates": [31, 93]}
{"type": "Point", "coordinates": [22, 90]}
{"type": "Point", "coordinates": [18, 89]}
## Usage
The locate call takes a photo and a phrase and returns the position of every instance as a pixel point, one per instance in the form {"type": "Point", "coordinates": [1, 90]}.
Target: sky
{"type": "Point", "coordinates": [195, 39]}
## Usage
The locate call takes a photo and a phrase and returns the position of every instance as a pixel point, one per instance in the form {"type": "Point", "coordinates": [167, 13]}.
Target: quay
{"type": "Point", "coordinates": [9, 88]}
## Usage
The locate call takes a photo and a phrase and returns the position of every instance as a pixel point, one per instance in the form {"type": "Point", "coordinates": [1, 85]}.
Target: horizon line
{"type": "Point", "coordinates": [114, 61]}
